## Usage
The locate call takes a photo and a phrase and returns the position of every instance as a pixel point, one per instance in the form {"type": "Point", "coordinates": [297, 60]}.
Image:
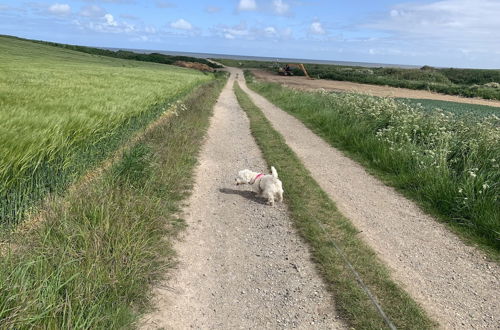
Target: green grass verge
{"type": "Point", "coordinates": [90, 263]}
{"type": "Point", "coordinates": [61, 112]}
{"type": "Point", "coordinates": [448, 164]}
{"type": "Point", "coordinates": [311, 209]}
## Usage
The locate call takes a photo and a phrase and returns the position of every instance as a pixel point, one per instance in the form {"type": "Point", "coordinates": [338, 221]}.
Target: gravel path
{"type": "Point", "coordinates": [303, 83]}
{"type": "Point", "coordinates": [453, 282]}
{"type": "Point", "coordinates": [241, 263]}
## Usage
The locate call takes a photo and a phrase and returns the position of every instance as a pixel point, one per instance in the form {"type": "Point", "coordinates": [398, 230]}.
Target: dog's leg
{"type": "Point", "coordinates": [270, 198]}
{"type": "Point", "coordinates": [280, 196]}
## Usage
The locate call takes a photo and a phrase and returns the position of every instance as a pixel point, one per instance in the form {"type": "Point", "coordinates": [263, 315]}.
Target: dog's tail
{"type": "Point", "coordinates": [275, 174]}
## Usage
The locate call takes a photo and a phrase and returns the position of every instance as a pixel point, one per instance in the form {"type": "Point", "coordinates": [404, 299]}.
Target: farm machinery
{"type": "Point", "coordinates": [287, 69]}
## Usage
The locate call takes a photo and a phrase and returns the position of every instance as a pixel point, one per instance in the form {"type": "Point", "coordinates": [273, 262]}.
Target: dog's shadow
{"type": "Point", "coordinates": [250, 195]}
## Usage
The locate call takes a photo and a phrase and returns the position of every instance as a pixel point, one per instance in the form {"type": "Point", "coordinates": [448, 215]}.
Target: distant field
{"type": "Point", "coordinates": [124, 54]}
{"type": "Point", "coordinates": [462, 82]}
{"type": "Point", "coordinates": [61, 111]}
{"type": "Point", "coordinates": [454, 107]}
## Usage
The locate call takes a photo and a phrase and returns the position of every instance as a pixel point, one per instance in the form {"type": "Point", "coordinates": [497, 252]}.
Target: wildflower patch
{"type": "Point", "coordinates": [445, 161]}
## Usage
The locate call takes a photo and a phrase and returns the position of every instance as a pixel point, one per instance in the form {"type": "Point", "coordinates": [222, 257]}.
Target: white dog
{"type": "Point", "coordinates": [267, 186]}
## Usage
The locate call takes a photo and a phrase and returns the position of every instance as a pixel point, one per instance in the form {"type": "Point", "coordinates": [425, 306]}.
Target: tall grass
{"type": "Point", "coordinates": [90, 264]}
{"type": "Point", "coordinates": [62, 111]}
{"type": "Point", "coordinates": [449, 164]}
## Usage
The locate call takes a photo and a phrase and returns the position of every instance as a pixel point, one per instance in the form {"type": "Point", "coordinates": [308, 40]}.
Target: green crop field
{"type": "Point", "coordinates": [62, 111]}
{"type": "Point", "coordinates": [461, 109]}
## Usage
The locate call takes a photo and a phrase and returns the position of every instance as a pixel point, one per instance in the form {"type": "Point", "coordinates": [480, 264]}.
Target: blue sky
{"type": "Point", "coordinates": [449, 33]}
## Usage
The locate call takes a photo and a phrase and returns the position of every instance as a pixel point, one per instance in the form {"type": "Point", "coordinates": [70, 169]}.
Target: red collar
{"type": "Point", "coordinates": [256, 178]}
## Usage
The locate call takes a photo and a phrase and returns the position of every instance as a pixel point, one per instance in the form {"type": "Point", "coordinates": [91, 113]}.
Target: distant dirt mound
{"type": "Point", "coordinates": [194, 65]}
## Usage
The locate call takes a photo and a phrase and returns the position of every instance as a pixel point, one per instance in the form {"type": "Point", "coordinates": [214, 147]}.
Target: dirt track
{"type": "Point", "coordinates": [453, 282]}
{"type": "Point", "coordinates": [241, 264]}
{"type": "Point", "coordinates": [303, 83]}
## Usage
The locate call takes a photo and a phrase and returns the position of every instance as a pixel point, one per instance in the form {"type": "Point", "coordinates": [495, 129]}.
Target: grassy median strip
{"type": "Point", "coordinates": [90, 263]}
{"type": "Point", "coordinates": [321, 224]}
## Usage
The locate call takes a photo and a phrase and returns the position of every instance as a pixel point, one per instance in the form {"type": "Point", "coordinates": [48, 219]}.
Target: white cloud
{"type": "Point", "coordinates": [232, 32]}
{"type": "Point", "coordinates": [237, 31]}
{"type": "Point", "coordinates": [92, 11]}
{"type": "Point", "coordinates": [447, 24]}
{"type": "Point", "coordinates": [107, 24]}
{"type": "Point", "coordinates": [243, 32]}
{"type": "Point", "coordinates": [270, 31]}
{"type": "Point", "coordinates": [280, 7]}
{"type": "Point", "coordinates": [448, 17]}
{"type": "Point", "coordinates": [60, 9]}
{"type": "Point", "coordinates": [181, 24]}
{"type": "Point", "coordinates": [110, 20]}
{"type": "Point", "coordinates": [316, 28]}
{"type": "Point", "coordinates": [247, 5]}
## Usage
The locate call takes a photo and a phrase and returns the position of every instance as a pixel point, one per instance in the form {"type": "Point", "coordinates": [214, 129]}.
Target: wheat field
{"type": "Point", "coordinates": [62, 111]}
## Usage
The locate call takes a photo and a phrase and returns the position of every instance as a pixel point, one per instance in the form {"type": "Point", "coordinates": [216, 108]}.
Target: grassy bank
{"type": "Point", "coordinates": [61, 112]}
{"type": "Point", "coordinates": [321, 224]}
{"type": "Point", "coordinates": [91, 262]}
{"type": "Point", "coordinates": [448, 164]}
{"type": "Point", "coordinates": [124, 54]}
{"type": "Point", "coordinates": [463, 82]}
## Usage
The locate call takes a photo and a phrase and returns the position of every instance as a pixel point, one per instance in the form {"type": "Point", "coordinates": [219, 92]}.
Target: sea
{"type": "Point", "coordinates": [266, 59]}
